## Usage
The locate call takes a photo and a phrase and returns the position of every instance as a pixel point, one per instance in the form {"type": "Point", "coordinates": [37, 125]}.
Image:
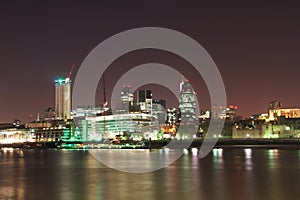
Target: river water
{"type": "Point", "coordinates": [228, 173]}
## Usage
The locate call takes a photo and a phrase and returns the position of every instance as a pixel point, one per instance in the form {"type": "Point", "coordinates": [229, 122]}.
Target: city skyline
{"type": "Point", "coordinates": [254, 45]}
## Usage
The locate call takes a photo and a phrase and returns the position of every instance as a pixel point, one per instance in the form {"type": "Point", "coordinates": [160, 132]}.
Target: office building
{"type": "Point", "coordinates": [187, 103]}
{"type": "Point", "coordinates": [62, 99]}
{"type": "Point", "coordinates": [144, 99]}
{"type": "Point", "coordinates": [159, 110]}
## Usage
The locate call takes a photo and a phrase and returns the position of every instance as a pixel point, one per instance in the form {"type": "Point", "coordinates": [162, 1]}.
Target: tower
{"type": "Point", "coordinates": [159, 110]}
{"type": "Point", "coordinates": [126, 98]}
{"type": "Point", "coordinates": [187, 103]}
{"type": "Point", "coordinates": [62, 98]}
{"type": "Point", "coordinates": [172, 116]}
{"type": "Point", "coordinates": [145, 101]}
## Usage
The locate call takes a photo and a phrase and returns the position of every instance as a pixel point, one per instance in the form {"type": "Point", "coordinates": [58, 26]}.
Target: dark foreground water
{"type": "Point", "coordinates": [229, 173]}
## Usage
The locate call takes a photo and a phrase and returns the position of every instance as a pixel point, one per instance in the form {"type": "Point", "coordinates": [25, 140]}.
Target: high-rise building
{"type": "Point", "coordinates": [172, 116]}
{"type": "Point", "coordinates": [126, 99]}
{"type": "Point", "coordinates": [228, 112]}
{"type": "Point", "coordinates": [62, 98]}
{"type": "Point", "coordinates": [159, 110]}
{"type": "Point", "coordinates": [49, 114]}
{"type": "Point", "coordinates": [145, 101]}
{"type": "Point", "coordinates": [187, 102]}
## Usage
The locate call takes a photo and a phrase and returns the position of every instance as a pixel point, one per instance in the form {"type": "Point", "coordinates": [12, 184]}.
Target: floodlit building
{"type": "Point", "coordinates": [13, 133]}
{"type": "Point", "coordinates": [126, 98]}
{"type": "Point", "coordinates": [127, 103]}
{"type": "Point", "coordinates": [276, 111]}
{"type": "Point", "coordinates": [228, 113]}
{"type": "Point", "coordinates": [159, 110]}
{"type": "Point", "coordinates": [101, 128]}
{"type": "Point", "coordinates": [205, 115]}
{"type": "Point", "coordinates": [187, 102]}
{"type": "Point", "coordinates": [144, 100]}
{"type": "Point", "coordinates": [88, 111]}
{"type": "Point", "coordinates": [172, 116]}
{"type": "Point", "coordinates": [63, 98]}
{"type": "Point", "coordinates": [52, 131]}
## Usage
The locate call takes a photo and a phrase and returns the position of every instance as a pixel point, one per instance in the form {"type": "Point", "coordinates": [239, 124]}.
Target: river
{"type": "Point", "coordinates": [226, 173]}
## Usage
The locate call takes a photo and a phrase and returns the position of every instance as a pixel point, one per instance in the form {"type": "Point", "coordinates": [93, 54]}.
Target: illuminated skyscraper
{"type": "Point", "coordinates": [187, 102]}
{"type": "Point", "coordinates": [126, 98]}
{"type": "Point", "coordinates": [145, 101]}
{"type": "Point", "coordinates": [172, 116]}
{"type": "Point", "coordinates": [62, 98]}
{"type": "Point", "coordinates": [159, 110]}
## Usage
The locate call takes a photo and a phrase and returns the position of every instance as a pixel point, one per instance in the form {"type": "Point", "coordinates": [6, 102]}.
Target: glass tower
{"type": "Point", "coordinates": [187, 102]}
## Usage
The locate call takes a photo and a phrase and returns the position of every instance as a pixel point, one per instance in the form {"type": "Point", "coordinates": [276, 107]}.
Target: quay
{"type": "Point", "coordinates": [158, 144]}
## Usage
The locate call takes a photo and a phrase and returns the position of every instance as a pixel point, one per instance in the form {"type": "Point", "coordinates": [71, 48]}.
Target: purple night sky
{"type": "Point", "coordinates": [255, 45]}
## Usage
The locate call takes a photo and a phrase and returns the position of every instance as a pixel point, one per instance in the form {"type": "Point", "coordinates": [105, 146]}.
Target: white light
{"type": "Point", "coordinates": [194, 151]}
{"type": "Point", "coordinates": [217, 152]}
{"type": "Point", "coordinates": [185, 151]}
{"type": "Point", "coordinates": [220, 152]}
{"type": "Point", "coordinates": [248, 153]}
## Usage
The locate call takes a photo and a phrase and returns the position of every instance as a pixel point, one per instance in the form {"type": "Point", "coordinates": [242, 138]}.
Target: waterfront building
{"type": "Point", "coordinates": [133, 125]}
{"type": "Point", "coordinates": [13, 133]}
{"type": "Point", "coordinates": [276, 110]}
{"type": "Point", "coordinates": [266, 130]}
{"type": "Point", "coordinates": [63, 99]}
{"type": "Point", "coordinates": [52, 131]}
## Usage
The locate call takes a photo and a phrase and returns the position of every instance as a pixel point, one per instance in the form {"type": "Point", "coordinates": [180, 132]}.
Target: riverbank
{"type": "Point", "coordinates": [158, 144]}
{"type": "Point", "coordinates": [242, 143]}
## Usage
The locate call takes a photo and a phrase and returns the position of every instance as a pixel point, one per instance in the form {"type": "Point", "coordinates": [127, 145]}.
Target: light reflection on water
{"type": "Point", "coordinates": [273, 158]}
{"type": "Point", "coordinates": [248, 158]}
{"type": "Point", "coordinates": [226, 173]}
{"type": "Point", "coordinates": [218, 158]}
{"type": "Point", "coordinates": [16, 190]}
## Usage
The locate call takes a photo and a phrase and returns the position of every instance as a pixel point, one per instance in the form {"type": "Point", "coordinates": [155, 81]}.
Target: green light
{"type": "Point", "coordinates": [60, 80]}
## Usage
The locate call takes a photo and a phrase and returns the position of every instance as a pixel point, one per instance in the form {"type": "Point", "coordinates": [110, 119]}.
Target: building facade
{"type": "Point", "coordinates": [144, 100]}
{"type": "Point", "coordinates": [126, 100]}
{"type": "Point", "coordinates": [63, 99]}
{"type": "Point", "coordinates": [132, 125]}
{"type": "Point", "coordinates": [159, 110]}
{"type": "Point", "coordinates": [276, 110]}
{"type": "Point", "coordinates": [187, 103]}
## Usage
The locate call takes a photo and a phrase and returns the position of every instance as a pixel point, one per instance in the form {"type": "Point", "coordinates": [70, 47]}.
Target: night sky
{"type": "Point", "coordinates": [255, 46]}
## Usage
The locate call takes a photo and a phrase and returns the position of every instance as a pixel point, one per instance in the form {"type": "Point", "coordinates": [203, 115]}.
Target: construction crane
{"type": "Point", "coordinates": [71, 70]}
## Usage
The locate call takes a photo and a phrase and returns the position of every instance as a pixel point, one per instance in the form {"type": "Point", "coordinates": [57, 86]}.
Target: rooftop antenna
{"type": "Point", "coordinates": [180, 85]}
